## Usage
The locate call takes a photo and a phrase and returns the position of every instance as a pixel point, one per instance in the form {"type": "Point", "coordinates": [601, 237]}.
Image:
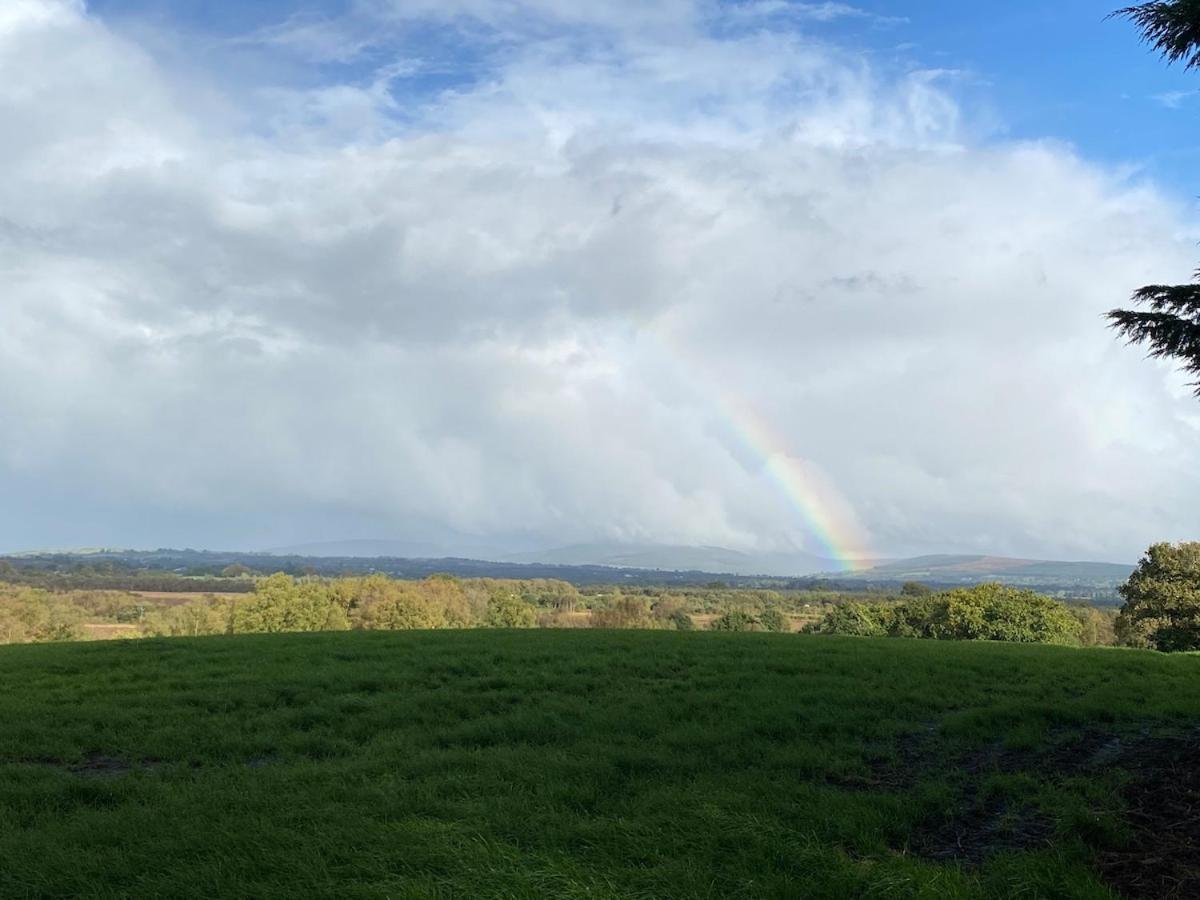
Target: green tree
{"type": "Point", "coordinates": [915, 589]}
{"type": "Point", "coordinates": [734, 620]}
{"type": "Point", "coordinates": [1169, 321]}
{"type": "Point", "coordinates": [32, 615]}
{"type": "Point", "coordinates": [853, 618]}
{"type": "Point", "coordinates": [771, 619]}
{"type": "Point", "coordinates": [550, 593]}
{"type": "Point", "coordinates": [665, 608]}
{"type": "Point", "coordinates": [57, 619]}
{"type": "Point", "coordinates": [200, 617]}
{"type": "Point", "coordinates": [507, 610]}
{"type": "Point", "coordinates": [1170, 27]}
{"type": "Point", "coordinates": [281, 603]}
{"type": "Point", "coordinates": [986, 612]}
{"type": "Point", "coordinates": [400, 606]}
{"type": "Point", "coordinates": [446, 599]}
{"type": "Point", "coordinates": [624, 611]}
{"type": "Point", "coordinates": [919, 617]}
{"type": "Point", "coordinates": [996, 612]}
{"type": "Point", "coordinates": [1096, 626]}
{"type": "Point", "coordinates": [1162, 599]}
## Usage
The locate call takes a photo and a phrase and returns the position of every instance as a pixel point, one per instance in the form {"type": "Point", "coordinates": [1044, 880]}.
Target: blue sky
{"type": "Point", "coordinates": [525, 273]}
{"type": "Point", "coordinates": [1062, 69]}
{"type": "Point", "coordinates": [1026, 68]}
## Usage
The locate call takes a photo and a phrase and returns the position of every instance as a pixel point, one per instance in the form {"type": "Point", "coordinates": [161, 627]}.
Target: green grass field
{"type": "Point", "coordinates": [591, 764]}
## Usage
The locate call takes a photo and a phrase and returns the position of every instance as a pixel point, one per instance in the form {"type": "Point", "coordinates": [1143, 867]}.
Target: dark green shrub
{"type": "Point", "coordinates": [854, 618]}
{"type": "Point", "coordinates": [920, 617]}
{"type": "Point", "coordinates": [734, 620]}
{"type": "Point", "coordinates": [774, 620]}
{"type": "Point", "coordinates": [682, 621]}
{"type": "Point", "coordinates": [623, 611]}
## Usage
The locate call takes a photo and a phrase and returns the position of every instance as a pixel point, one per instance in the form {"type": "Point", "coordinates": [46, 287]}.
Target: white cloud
{"type": "Point", "coordinates": [506, 308]}
{"type": "Point", "coordinates": [1174, 99]}
{"type": "Point", "coordinates": [812, 12]}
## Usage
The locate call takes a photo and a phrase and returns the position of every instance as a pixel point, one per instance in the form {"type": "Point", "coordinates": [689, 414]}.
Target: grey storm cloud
{"type": "Point", "coordinates": [273, 312]}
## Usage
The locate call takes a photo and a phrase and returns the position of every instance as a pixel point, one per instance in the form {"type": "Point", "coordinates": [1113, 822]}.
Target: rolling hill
{"type": "Point", "coordinates": [972, 569]}
{"type": "Point", "coordinates": [680, 558]}
{"type": "Point", "coordinates": [624, 563]}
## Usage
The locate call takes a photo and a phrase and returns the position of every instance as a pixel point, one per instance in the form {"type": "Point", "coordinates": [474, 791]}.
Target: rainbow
{"type": "Point", "coordinates": [822, 511]}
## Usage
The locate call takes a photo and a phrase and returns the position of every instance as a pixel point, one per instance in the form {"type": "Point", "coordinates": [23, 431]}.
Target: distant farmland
{"type": "Point", "coordinates": [179, 598]}
{"type": "Point", "coordinates": [588, 763]}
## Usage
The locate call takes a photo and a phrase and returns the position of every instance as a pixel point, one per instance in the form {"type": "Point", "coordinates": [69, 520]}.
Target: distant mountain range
{"type": "Point", "coordinates": [967, 569]}
{"type": "Point", "coordinates": [371, 549]}
{"type": "Point", "coordinates": [673, 557]}
{"type": "Point", "coordinates": [666, 557]}
{"type": "Point", "coordinates": [939, 569]}
{"type": "Point", "coordinates": [611, 563]}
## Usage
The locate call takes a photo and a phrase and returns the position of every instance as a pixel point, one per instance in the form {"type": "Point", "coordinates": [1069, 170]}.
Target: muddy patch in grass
{"type": "Point", "coordinates": [1162, 801]}
{"type": "Point", "coordinates": [982, 828]}
{"type": "Point", "coordinates": [1159, 861]}
{"type": "Point", "coordinates": [981, 823]}
{"type": "Point", "coordinates": [895, 767]}
{"type": "Point", "coordinates": [100, 766]}
{"type": "Point", "coordinates": [984, 823]}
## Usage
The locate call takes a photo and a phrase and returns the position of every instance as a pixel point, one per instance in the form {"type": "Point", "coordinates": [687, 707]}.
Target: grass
{"type": "Point", "coordinates": [572, 764]}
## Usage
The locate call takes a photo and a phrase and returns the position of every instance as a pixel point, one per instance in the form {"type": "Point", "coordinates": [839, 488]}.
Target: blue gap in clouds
{"type": "Point", "coordinates": [1049, 68]}
{"type": "Point", "coordinates": [1062, 70]}
{"type": "Point", "coordinates": [444, 58]}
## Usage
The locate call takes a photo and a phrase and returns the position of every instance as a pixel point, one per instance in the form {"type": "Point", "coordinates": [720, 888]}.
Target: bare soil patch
{"type": "Point", "coordinates": [980, 824]}
{"type": "Point", "coordinates": [983, 828]}
{"type": "Point", "coordinates": [101, 766]}
{"type": "Point", "coordinates": [1161, 860]}
{"type": "Point", "coordinates": [1163, 809]}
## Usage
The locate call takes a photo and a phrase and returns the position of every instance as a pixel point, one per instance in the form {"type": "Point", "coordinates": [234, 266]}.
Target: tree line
{"type": "Point", "coordinates": [1161, 610]}
{"type": "Point", "coordinates": [986, 612]}
{"type": "Point", "coordinates": [287, 603]}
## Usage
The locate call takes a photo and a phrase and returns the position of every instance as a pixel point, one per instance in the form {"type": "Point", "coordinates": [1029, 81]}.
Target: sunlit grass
{"type": "Point", "coordinates": [548, 763]}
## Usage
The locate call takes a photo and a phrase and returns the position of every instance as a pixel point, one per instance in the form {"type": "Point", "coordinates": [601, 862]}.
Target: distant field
{"type": "Point", "coordinates": [178, 598]}
{"type": "Point", "coordinates": [586, 763]}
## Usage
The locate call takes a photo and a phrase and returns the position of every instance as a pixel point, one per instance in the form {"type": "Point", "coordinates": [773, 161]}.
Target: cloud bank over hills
{"type": "Point", "coordinates": [529, 273]}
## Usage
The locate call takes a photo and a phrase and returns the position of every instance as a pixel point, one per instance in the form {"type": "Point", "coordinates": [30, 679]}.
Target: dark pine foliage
{"type": "Point", "coordinates": [1171, 27]}
{"type": "Point", "coordinates": [1169, 322]}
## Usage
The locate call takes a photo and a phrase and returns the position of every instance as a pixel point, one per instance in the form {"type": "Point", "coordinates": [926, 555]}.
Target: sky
{"type": "Point", "coordinates": [500, 275]}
